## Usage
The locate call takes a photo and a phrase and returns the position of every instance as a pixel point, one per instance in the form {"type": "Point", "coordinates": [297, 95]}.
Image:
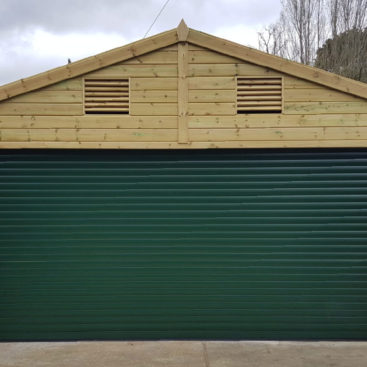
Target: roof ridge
{"type": "Point", "coordinates": [88, 64]}
{"type": "Point", "coordinates": [183, 34]}
{"type": "Point", "coordinates": [277, 63]}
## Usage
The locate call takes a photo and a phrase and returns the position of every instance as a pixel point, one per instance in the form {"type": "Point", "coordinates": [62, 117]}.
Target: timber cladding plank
{"type": "Point", "coordinates": [154, 108]}
{"type": "Point", "coordinates": [137, 96]}
{"type": "Point", "coordinates": [210, 57]}
{"type": "Point", "coordinates": [168, 48]}
{"type": "Point", "coordinates": [318, 94]}
{"type": "Point", "coordinates": [48, 109]}
{"type": "Point", "coordinates": [291, 82]}
{"type": "Point", "coordinates": [47, 96]}
{"type": "Point", "coordinates": [309, 133]}
{"type": "Point", "coordinates": [67, 85]}
{"type": "Point", "coordinates": [193, 47]}
{"type": "Point", "coordinates": [334, 133]}
{"type": "Point", "coordinates": [156, 57]}
{"type": "Point", "coordinates": [276, 120]}
{"type": "Point", "coordinates": [324, 107]}
{"type": "Point", "coordinates": [198, 135]}
{"type": "Point", "coordinates": [88, 135]}
{"type": "Point", "coordinates": [213, 109]}
{"type": "Point", "coordinates": [256, 134]}
{"type": "Point", "coordinates": [349, 143]}
{"type": "Point", "coordinates": [88, 121]}
{"type": "Point", "coordinates": [169, 70]}
{"type": "Point", "coordinates": [212, 95]}
{"type": "Point", "coordinates": [299, 90]}
{"type": "Point", "coordinates": [243, 69]}
{"type": "Point", "coordinates": [153, 84]}
{"type": "Point", "coordinates": [212, 83]}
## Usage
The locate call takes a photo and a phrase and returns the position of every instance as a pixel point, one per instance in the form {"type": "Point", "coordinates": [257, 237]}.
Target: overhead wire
{"type": "Point", "coordinates": [156, 18]}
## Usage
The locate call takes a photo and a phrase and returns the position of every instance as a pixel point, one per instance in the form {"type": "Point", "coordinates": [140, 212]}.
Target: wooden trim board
{"type": "Point", "coordinates": [180, 34]}
{"type": "Point", "coordinates": [183, 92]}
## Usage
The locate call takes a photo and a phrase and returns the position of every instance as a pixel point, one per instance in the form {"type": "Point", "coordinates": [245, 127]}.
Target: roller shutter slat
{"type": "Point", "coordinates": [220, 244]}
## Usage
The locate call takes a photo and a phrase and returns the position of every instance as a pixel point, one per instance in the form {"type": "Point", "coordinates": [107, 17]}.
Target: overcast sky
{"type": "Point", "coordinates": [37, 35]}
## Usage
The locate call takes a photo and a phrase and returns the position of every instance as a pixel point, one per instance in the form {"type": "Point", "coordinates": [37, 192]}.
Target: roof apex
{"type": "Point", "coordinates": [277, 63]}
{"type": "Point", "coordinates": [182, 31]}
{"type": "Point", "coordinates": [183, 34]}
{"type": "Point", "coordinates": [88, 64]}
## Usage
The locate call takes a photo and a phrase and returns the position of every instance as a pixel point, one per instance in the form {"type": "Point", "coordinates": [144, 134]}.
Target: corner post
{"type": "Point", "coordinates": [183, 84]}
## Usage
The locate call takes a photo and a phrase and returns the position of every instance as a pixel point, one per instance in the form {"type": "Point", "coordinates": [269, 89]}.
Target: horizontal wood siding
{"type": "Point", "coordinates": [214, 95]}
{"type": "Point", "coordinates": [167, 55]}
{"type": "Point", "coordinates": [208, 57]}
{"type": "Point", "coordinates": [153, 84]}
{"type": "Point", "coordinates": [213, 108]}
{"type": "Point", "coordinates": [324, 107]}
{"type": "Point", "coordinates": [88, 122]}
{"type": "Point", "coordinates": [349, 143]}
{"type": "Point", "coordinates": [317, 95]}
{"type": "Point", "coordinates": [54, 115]}
{"type": "Point", "coordinates": [143, 96]}
{"type": "Point", "coordinates": [229, 70]}
{"type": "Point", "coordinates": [143, 70]}
{"type": "Point", "coordinates": [50, 96]}
{"type": "Point", "coordinates": [277, 120]}
{"type": "Point", "coordinates": [197, 83]}
{"type": "Point", "coordinates": [94, 135]}
{"type": "Point", "coordinates": [49, 109]}
{"type": "Point", "coordinates": [62, 99]}
{"type": "Point", "coordinates": [75, 84]}
{"type": "Point", "coordinates": [312, 115]}
{"type": "Point", "coordinates": [153, 108]}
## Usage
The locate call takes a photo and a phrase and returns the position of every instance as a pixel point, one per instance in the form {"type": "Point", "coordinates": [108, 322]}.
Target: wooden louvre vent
{"type": "Point", "coordinates": [259, 95]}
{"type": "Point", "coordinates": [106, 96]}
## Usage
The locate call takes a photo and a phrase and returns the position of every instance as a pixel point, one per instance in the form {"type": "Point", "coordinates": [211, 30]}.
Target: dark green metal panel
{"type": "Point", "coordinates": [214, 244]}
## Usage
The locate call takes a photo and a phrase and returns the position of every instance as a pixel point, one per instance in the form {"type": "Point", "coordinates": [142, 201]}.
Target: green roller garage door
{"type": "Point", "coordinates": [221, 244]}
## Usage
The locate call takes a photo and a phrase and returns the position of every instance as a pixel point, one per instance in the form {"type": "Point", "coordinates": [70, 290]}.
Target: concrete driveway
{"type": "Point", "coordinates": [184, 354]}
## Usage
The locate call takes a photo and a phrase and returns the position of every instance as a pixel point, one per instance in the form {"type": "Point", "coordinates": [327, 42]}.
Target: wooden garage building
{"type": "Point", "coordinates": [119, 219]}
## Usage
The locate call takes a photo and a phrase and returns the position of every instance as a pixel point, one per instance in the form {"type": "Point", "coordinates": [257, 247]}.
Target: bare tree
{"type": "Point", "coordinates": [305, 25]}
{"type": "Point", "coordinates": [345, 52]}
{"type": "Point", "coordinates": [334, 15]}
{"type": "Point", "coordinates": [300, 14]}
{"type": "Point", "coordinates": [271, 40]}
{"type": "Point", "coordinates": [346, 15]}
{"type": "Point", "coordinates": [320, 23]}
{"type": "Point", "coordinates": [299, 31]}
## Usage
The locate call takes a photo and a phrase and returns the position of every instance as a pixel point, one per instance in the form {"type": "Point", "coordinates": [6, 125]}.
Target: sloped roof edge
{"type": "Point", "coordinates": [292, 68]}
{"type": "Point", "coordinates": [88, 64]}
{"type": "Point", "coordinates": [165, 39]}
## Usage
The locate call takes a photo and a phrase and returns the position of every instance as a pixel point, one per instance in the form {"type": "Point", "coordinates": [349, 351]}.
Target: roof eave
{"type": "Point", "coordinates": [292, 68]}
{"type": "Point", "coordinates": [88, 64]}
{"type": "Point", "coordinates": [183, 34]}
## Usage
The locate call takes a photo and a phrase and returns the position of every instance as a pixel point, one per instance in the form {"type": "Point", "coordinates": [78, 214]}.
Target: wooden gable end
{"type": "Point", "coordinates": [312, 115]}
{"type": "Point", "coordinates": [54, 116]}
{"type": "Point", "coordinates": [185, 96]}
